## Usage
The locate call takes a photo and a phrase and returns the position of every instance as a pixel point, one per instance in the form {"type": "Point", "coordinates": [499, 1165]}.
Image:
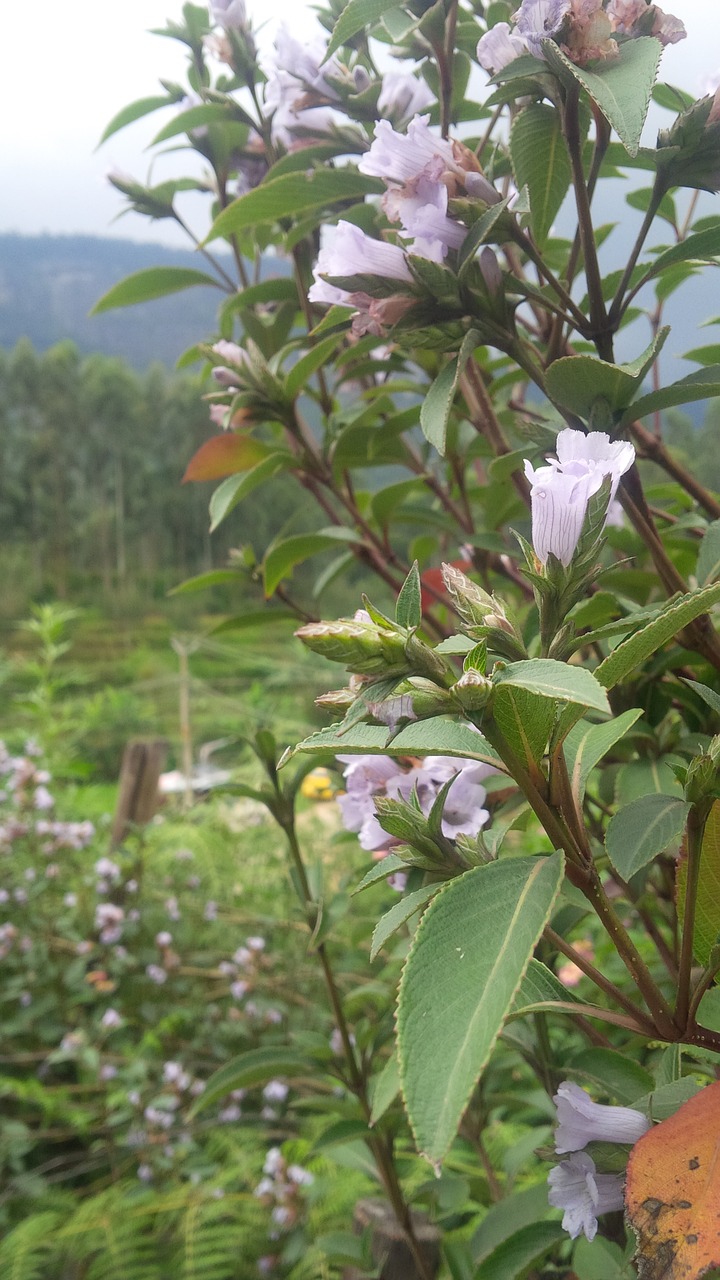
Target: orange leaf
{"type": "Point", "coordinates": [672, 1192]}
{"type": "Point", "coordinates": [225, 455]}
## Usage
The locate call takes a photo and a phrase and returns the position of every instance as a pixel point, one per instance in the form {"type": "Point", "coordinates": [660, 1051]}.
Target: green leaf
{"type": "Point", "coordinates": [586, 744]}
{"type": "Point", "coordinates": [539, 987]}
{"type": "Point", "coordinates": [257, 1066]}
{"type": "Point", "coordinates": [541, 162]}
{"type": "Point", "coordinates": [437, 405]}
{"type": "Point", "coordinates": [282, 557]}
{"type": "Point", "coordinates": [340, 1132]}
{"type": "Point", "coordinates": [397, 916]}
{"type": "Point", "coordinates": [154, 282]}
{"type": "Point", "coordinates": [707, 907]}
{"type": "Point", "coordinates": [615, 1073]}
{"type": "Point", "coordinates": [355, 17]}
{"type": "Point", "coordinates": [384, 1088]}
{"type": "Point", "coordinates": [576, 382]}
{"type": "Point", "coordinates": [290, 195]}
{"type": "Point", "coordinates": [708, 695]}
{"type": "Point", "coordinates": [426, 738]}
{"type": "Point", "coordinates": [134, 111]}
{"type": "Point", "coordinates": [512, 1259]}
{"type": "Point", "coordinates": [559, 680]}
{"type": "Point", "coordinates": [235, 488]}
{"type": "Point", "coordinates": [601, 1259]}
{"type": "Point", "coordinates": [468, 958]}
{"type": "Point", "coordinates": [525, 721]}
{"type": "Point", "coordinates": [481, 233]}
{"type": "Point", "coordinates": [629, 655]}
{"type": "Point", "coordinates": [702, 246]}
{"type": "Point", "coordinates": [214, 578]}
{"type": "Point", "coordinates": [408, 610]}
{"type": "Point", "coordinates": [708, 565]}
{"type": "Point", "coordinates": [387, 866]}
{"type": "Point", "coordinates": [309, 364]}
{"type": "Point", "coordinates": [198, 117]}
{"type": "Point", "coordinates": [509, 1215]}
{"type": "Point", "coordinates": [621, 87]}
{"type": "Point", "coordinates": [643, 829]}
{"type": "Point", "coordinates": [277, 289]}
{"type": "Point", "coordinates": [701, 385]}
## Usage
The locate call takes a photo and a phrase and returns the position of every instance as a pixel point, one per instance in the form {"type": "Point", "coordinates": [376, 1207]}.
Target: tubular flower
{"type": "Point", "coordinates": [580, 1120]}
{"type": "Point", "coordinates": [583, 1194]}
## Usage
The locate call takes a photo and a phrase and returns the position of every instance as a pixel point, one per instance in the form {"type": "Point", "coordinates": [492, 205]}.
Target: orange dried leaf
{"type": "Point", "coordinates": [225, 455]}
{"type": "Point", "coordinates": [672, 1192]}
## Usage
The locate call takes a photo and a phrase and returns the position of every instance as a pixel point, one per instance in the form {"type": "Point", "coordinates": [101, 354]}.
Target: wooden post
{"type": "Point", "coordinates": [142, 763]}
{"type": "Point", "coordinates": [389, 1248]}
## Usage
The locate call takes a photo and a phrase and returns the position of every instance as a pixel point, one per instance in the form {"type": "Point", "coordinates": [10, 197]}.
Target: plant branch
{"type": "Point", "coordinates": [695, 831]}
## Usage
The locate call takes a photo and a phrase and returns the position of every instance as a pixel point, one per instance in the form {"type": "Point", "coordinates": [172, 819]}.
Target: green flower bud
{"type": "Point", "coordinates": [702, 779]}
{"type": "Point", "coordinates": [362, 646]}
{"type": "Point", "coordinates": [473, 690]}
{"type": "Point", "coordinates": [688, 153]}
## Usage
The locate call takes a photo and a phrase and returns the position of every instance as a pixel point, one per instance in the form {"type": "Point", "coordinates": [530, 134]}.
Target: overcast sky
{"type": "Point", "coordinates": [68, 68]}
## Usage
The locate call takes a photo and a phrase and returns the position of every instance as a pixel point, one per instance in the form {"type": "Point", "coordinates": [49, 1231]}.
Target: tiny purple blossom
{"type": "Point", "coordinates": [231, 15]}
{"type": "Point", "coordinates": [583, 1194]}
{"type": "Point", "coordinates": [580, 1120]}
{"type": "Point", "coordinates": [402, 96]}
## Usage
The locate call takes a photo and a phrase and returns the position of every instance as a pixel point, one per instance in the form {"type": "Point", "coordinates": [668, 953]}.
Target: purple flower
{"type": "Point", "coordinates": [402, 96]}
{"type": "Point", "coordinates": [583, 1193]}
{"type": "Point", "coordinates": [499, 47]}
{"type": "Point", "coordinates": [560, 492]}
{"type": "Point", "coordinates": [539, 20]}
{"type": "Point", "coordinates": [403, 157]}
{"type": "Point", "coordinates": [580, 1120]}
{"type": "Point", "coordinates": [352, 253]}
{"type": "Point", "coordinates": [423, 217]}
{"type": "Point", "coordinates": [231, 15]}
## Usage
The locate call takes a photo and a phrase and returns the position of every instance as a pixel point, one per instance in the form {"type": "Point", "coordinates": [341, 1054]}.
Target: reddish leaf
{"type": "Point", "coordinates": [672, 1192]}
{"type": "Point", "coordinates": [225, 455]}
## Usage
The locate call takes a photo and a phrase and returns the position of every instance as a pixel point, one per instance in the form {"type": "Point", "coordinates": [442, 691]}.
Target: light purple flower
{"type": "Point", "coordinates": [403, 157]}
{"type": "Point", "coordinates": [583, 1194]}
{"type": "Point", "coordinates": [402, 96]}
{"type": "Point", "coordinates": [539, 20]}
{"type": "Point", "coordinates": [156, 974]}
{"type": "Point", "coordinates": [231, 15]}
{"type": "Point", "coordinates": [350, 253]}
{"type": "Point", "coordinates": [274, 1162]}
{"type": "Point", "coordinates": [111, 1019]}
{"type": "Point", "coordinates": [580, 1120]}
{"type": "Point", "coordinates": [275, 1091]}
{"type": "Point", "coordinates": [255, 943]}
{"type": "Point", "coordinates": [499, 47]}
{"type": "Point", "coordinates": [423, 217]}
{"type": "Point", "coordinates": [560, 492]}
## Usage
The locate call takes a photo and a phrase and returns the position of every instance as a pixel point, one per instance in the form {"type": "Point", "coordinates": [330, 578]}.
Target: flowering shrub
{"type": "Point", "coordinates": [528, 733]}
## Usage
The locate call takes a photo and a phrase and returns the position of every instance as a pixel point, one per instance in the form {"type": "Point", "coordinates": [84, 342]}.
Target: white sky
{"type": "Point", "coordinates": [69, 67]}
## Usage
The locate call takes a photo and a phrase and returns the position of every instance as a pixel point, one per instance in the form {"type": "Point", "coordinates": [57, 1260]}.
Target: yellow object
{"type": "Point", "coordinates": [317, 785]}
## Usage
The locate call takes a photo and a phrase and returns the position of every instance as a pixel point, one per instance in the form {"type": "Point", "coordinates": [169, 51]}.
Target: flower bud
{"type": "Point", "coordinates": [413, 699]}
{"type": "Point", "coordinates": [362, 646]}
{"type": "Point", "coordinates": [688, 153]}
{"type": "Point", "coordinates": [473, 690]}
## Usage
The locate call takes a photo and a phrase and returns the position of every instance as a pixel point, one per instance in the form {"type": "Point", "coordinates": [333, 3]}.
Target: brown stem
{"type": "Point", "coordinates": [484, 419]}
{"type": "Point", "coordinates": [602, 335]}
{"type": "Point", "coordinates": [604, 984]}
{"type": "Point", "coordinates": [695, 831]}
{"type": "Point", "coordinates": [655, 451]}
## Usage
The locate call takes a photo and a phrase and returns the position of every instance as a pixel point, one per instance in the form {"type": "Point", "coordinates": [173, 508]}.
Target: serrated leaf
{"type": "Point", "coordinates": [708, 565]}
{"type": "Point", "coordinates": [539, 987]}
{"type": "Point", "coordinates": [387, 866]}
{"type": "Point", "coordinates": [398, 915]}
{"type": "Point", "coordinates": [541, 162]}
{"type": "Point", "coordinates": [621, 87]}
{"type": "Point", "coordinates": [576, 382]}
{"type": "Point", "coordinates": [236, 487]}
{"type": "Point", "coordinates": [437, 406]}
{"type": "Point", "coordinates": [282, 557]}
{"type": "Point", "coordinates": [257, 1066]}
{"type": "Point", "coordinates": [467, 960]}
{"type": "Point", "coordinates": [643, 829]}
{"type": "Point", "coordinates": [586, 744]}
{"type": "Point", "coordinates": [629, 655]}
{"type": "Point", "coordinates": [426, 738]}
{"type": "Point", "coordinates": [154, 282]}
{"type": "Point", "coordinates": [408, 610]}
{"type": "Point", "coordinates": [559, 680]}
{"type": "Point", "coordinates": [290, 195]}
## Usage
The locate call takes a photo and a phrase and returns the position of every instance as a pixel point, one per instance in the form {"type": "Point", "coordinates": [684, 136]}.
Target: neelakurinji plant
{"type": "Point", "coordinates": [422, 319]}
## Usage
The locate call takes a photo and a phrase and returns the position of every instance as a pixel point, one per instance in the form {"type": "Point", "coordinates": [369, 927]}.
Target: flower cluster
{"type": "Point", "coordinates": [585, 30]}
{"type": "Point", "coordinates": [367, 777]}
{"type": "Point", "coordinates": [560, 492]}
{"type": "Point", "coordinates": [575, 1184]}
{"type": "Point", "coordinates": [280, 1190]}
{"type": "Point", "coordinates": [24, 796]}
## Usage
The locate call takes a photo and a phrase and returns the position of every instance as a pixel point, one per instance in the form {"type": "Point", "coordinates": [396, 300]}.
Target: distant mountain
{"type": "Point", "coordinates": [48, 284]}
